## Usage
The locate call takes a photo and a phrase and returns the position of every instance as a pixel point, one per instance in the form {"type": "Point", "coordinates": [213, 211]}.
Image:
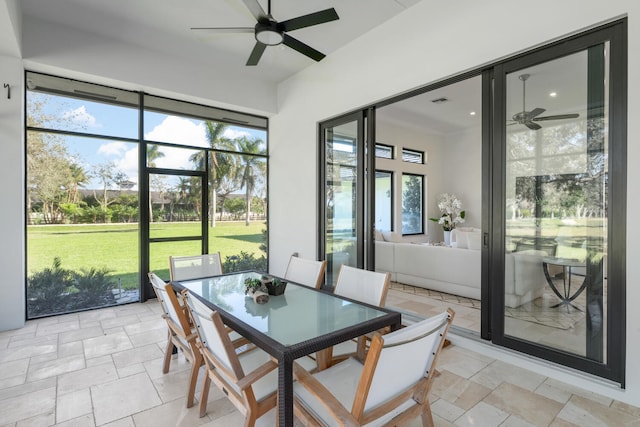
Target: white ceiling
{"type": "Point", "coordinates": [164, 25]}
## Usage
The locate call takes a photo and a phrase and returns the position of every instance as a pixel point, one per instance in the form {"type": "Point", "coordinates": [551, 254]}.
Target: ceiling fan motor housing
{"type": "Point", "coordinates": [269, 32]}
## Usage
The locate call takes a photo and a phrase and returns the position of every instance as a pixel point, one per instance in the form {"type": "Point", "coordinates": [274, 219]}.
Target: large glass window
{"type": "Point", "coordinates": [384, 201]}
{"type": "Point", "coordinates": [204, 187]}
{"type": "Point", "coordinates": [412, 204]}
{"type": "Point", "coordinates": [82, 197]}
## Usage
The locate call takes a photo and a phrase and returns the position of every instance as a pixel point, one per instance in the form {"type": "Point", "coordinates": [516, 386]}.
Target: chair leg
{"type": "Point", "coordinates": [427, 417]}
{"type": "Point", "coordinates": [167, 354]}
{"type": "Point", "coordinates": [193, 379]}
{"type": "Point", "coordinates": [204, 394]}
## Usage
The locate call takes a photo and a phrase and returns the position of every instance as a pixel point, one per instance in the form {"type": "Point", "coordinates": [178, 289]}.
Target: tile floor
{"type": "Point", "coordinates": [103, 368]}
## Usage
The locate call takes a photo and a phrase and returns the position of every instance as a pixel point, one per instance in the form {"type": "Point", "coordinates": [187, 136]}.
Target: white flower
{"type": "Point", "coordinates": [452, 213]}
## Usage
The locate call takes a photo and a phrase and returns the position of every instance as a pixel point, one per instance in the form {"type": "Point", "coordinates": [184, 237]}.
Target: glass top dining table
{"type": "Point", "coordinates": [297, 323]}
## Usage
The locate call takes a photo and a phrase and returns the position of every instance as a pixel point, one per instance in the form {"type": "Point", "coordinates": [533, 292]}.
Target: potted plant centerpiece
{"type": "Point", "coordinates": [274, 285]}
{"type": "Point", "coordinates": [452, 214]}
{"type": "Point", "coordinates": [257, 290]}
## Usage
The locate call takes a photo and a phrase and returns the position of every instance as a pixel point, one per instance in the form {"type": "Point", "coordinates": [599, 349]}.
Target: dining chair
{"type": "Point", "coordinates": [391, 388]}
{"type": "Point", "coordinates": [195, 267]}
{"type": "Point", "coordinates": [366, 286]}
{"type": "Point", "coordinates": [249, 379]}
{"type": "Point", "coordinates": [305, 271]}
{"type": "Point", "coordinates": [180, 333]}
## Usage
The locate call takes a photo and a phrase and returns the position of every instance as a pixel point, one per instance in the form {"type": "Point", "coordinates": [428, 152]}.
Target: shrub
{"type": "Point", "coordinates": [93, 284]}
{"type": "Point", "coordinates": [244, 261]}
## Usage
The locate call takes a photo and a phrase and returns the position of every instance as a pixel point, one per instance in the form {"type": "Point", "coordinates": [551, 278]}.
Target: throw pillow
{"type": "Point", "coordinates": [392, 236]}
{"type": "Point", "coordinates": [461, 239]}
{"type": "Point", "coordinates": [377, 235]}
{"type": "Point", "coordinates": [474, 240]}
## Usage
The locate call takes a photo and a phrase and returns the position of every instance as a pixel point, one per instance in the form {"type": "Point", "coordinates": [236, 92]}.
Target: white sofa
{"type": "Point", "coordinates": [458, 271]}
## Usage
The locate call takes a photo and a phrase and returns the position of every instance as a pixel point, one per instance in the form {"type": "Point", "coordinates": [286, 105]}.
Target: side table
{"type": "Point", "coordinates": [567, 264]}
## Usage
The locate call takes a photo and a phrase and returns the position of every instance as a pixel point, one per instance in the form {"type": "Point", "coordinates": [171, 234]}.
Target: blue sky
{"type": "Point", "coordinates": [109, 120]}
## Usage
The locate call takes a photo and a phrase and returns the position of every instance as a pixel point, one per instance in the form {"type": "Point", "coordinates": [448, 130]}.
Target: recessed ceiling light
{"type": "Point", "coordinates": [473, 113]}
{"type": "Point", "coordinates": [553, 94]}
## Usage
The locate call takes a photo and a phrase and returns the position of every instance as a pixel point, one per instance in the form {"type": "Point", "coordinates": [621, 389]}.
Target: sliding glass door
{"type": "Point", "coordinates": [559, 140]}
{"type": "Point", "coordinates": [343, 184]}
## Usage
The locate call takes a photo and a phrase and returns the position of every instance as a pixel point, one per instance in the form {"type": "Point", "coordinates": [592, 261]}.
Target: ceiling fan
{"type": "Point", "coordinates": [528, 118]}
{"type": "Point", "coordinates": [269, 32]}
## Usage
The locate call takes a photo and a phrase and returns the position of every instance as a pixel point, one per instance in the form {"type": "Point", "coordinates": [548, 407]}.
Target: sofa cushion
{"type": "Point", "coordinates": [474, 240]}
{"type": "Point", "coordinates": [392, 236]}
{"type": "Point", "coordinates": [377, 235]}
{"type": "Point", "coordinates": [460, 238]}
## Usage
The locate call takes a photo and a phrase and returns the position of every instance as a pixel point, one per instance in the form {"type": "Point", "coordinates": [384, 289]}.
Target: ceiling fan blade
{"type": "Point", "coordinates": [225, 30]}
{"type": "Point", "coordinates": [558, 117]}
{"type": "Point", "coordinates": [256, 10]}
{"type": "Point", "coordinates": [536, 112]}
{"type": "Point", "coordinates": [256, 53]}
{"type": "Point", "coordinates": [315, 18]}
{"type": "Point", "coordinates": [532, 126]}
{"type": "Point", "coordinates": [302, 48]}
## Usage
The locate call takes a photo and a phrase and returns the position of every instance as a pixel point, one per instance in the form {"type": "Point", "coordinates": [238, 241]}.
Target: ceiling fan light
{"type": "Point", "coordinates": [269, 36]}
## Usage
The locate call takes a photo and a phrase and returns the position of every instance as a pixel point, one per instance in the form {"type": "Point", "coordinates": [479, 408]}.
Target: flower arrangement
{"type": "Point", "coordinates": [452, 213]}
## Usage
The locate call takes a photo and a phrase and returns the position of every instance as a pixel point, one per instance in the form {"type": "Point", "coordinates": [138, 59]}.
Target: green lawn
{"type": "Point", "coordinates": [115, 246]}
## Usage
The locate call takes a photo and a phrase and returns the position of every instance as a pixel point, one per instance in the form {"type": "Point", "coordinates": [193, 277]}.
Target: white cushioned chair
{"type": "Point", "coordinates": [391, 388]}
{"type": "Point", "coordinates": [366, 286]}
{"type": "Point", "coordinates": [195, 267]}
{"type": "Point", "coordinates": [180, 334]}
{"type": "Point", "coordinates": [249, 379]}
{"type": "Point", "coordinates": [305, 271]}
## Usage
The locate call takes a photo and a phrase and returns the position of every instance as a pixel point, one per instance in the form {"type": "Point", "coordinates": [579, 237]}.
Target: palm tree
{"type": "Point", "coordinates": [221, 163]}
{"type": "Point", "coordinates": [252, 170]}
{"type": "Point", "coordinates": [154, 153]}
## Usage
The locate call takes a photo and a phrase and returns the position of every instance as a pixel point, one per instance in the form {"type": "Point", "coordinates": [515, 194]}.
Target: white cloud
{"type": "Point", "coordinates": [81, 117]}
{"type": "Point", "coordinates": [235, 133]}
{"type": "Point", "coordinates": [129, 163]}
{"type": "Point", "coordinates": [178, 130]}
{"type": "Point", "coordinates": [112, 149]}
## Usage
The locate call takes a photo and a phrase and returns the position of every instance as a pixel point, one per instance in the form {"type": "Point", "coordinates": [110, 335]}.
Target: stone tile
{"type": "Point", "coordinates": [80, 334]}
{"type": "Point", "coordinates": [55, 367]}
{"type": "Point", "coordinates": [146, 326]}
{"type": "Point", "coordinates": [40, 420]}
{"type": "Point", "coordinates": [123, 422]}
{"type": "Point", "coordinates": [170, 414]}
{"type": "Point", "coordinates": [26, 388]}
{"type": "Point", "coordinates": [130, 370]}
{"type": "Point", "coordinates": [73, 405]}
{"type": "Point", "coordinates": [625, 407]}
{"type": "Point", "coordinates": [12, 382]}
{"type": "Point", "coordinates": [514, 421]}
{"type": "Point", "coordinates": [99, 360]}
{"type": "Point", "coordinates": [461, 392]}
{"type": "Point", "coordinates": [173, 385]}
{"type": "Point", "coordinates": [482, 415]}
{"type": "Point", "coordinates": [70, 349]}
{"type": "Point", "coordinates": [106, 344]}
{"type": "Point", "coordinates": [83, 421]}
{"type": "Point", "coordinates": [27, 351]}
{"type": "Point", "coordinates": [446, 410]}
{"type": "Point", "coordinates": [498, 372]}
{"type": "Point", "coordinates": [115, 322]}
{"type": "Point", "coordinates": [580, 392]}
{"type": "Point", "coordinates": [26, 340]}
{"type": "Point", "coordinates": [461, 362]}
{"type": "Point", "coordinates": [85, 378]}
{"type": "Point", "coordinates": [27, 405]}
{"type": "Point", "coordinates": [136, 355]}
{"type": "Point", "coordinates": [586, 413]}
{"type": "Point", "coordinates": [57, 328]}
{"type": "Point", "coordinates": [525, 404]}
{"type": "Point", "coordinates": [152, 337]}
{"type": "Point", "coordinates": [15, 368]}
{"type": "Point", "coordinates": [553, 392]}
{"type": "Point", "coordinates": [121, 398]}
{"type": "Point", "coordinates": [154, 367]}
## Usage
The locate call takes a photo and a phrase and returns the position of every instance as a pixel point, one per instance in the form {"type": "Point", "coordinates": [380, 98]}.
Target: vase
{"type": "Point", "coordinates": [447, 238]}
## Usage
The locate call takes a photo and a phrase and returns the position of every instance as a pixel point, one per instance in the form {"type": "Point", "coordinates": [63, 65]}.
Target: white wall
{"type": "Point", "coordinates": [12, 303]}
{"type": "Point", "coordinates": [86, 56]}
{"type": "Point", "coordinates": [425, 44]}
